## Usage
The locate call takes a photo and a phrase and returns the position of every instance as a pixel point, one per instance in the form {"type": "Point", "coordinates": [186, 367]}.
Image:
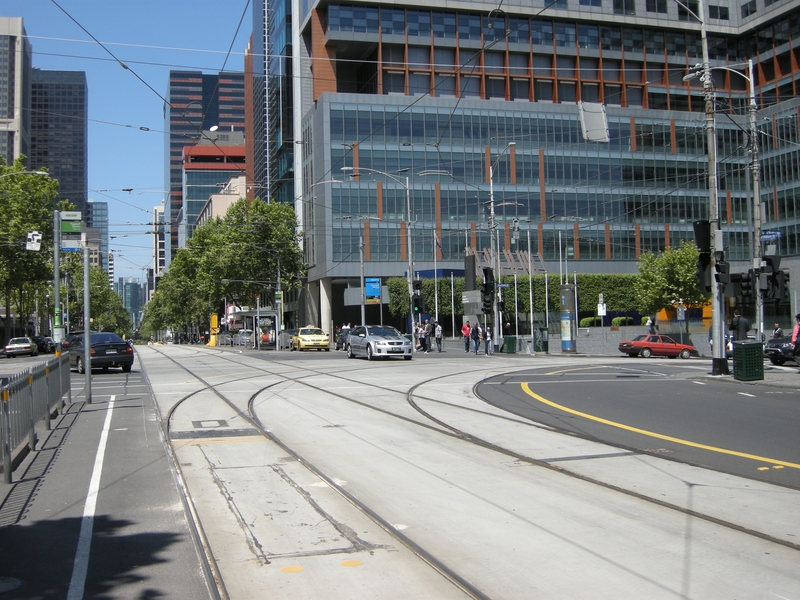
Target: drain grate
{"type": "Point", "coordinates": [212, 433]}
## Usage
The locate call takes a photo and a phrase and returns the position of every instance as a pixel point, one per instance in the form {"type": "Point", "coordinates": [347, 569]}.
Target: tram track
{"type": "Point", "coordinates": [428, 421]}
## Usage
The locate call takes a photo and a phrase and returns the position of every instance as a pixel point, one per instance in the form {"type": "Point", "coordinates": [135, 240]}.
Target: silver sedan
{"type": "Point", "coordinates": [377, 341]}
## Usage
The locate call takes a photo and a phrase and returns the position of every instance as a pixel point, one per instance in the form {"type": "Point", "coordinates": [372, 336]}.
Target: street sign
{"type": "Point", "coordinates": [372, 292]}
{"type": "Point", "coordinates": [70, 215]}
{"type": "Point", "coordinates": [71, 226]}
{"type": "Point", "coordinates": [34, 241]}
{"type": "Point", "coordinates": [503, 285]}
{"type": "Point", "coordinates": [771, 235]}
{"type": "Point", "coordinates": [601, 310]}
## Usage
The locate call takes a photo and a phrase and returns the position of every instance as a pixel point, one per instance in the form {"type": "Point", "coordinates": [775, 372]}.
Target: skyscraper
{"type": "Point", "coordinates": [59, 131]}
{"type": "Point", "coordinates": [15, 85]}
{"type": "Point", "coordinates": [197, 102]}
{"type": "Point", "coordinates": [422, 106]}
{"type": "Point", "coordinates": [96, 217]}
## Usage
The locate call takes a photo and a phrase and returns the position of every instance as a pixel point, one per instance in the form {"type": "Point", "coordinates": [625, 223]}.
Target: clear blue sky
{"type": "Point", "coordinates": [151, 37]}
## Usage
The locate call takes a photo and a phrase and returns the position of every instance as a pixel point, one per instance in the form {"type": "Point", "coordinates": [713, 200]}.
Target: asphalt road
{"type": "Point", "coordinates": [671, 409]}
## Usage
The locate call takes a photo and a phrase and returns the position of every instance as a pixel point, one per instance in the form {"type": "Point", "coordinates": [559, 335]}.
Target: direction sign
{"type": "Point", "coordinates": [503, 285]}
{"type": "Point", "coordinates": [71, 226]}
{"type": "Point", "coordinates": [70, 215]}
{"type": "Point", "coordinates": [771, 235]}
{"type": "Point", "coordinates": [33, 241]}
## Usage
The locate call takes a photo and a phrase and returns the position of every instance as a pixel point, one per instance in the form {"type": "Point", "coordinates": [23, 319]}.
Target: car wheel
{"type": "Point", "coordinates": [777, 361]}
{"type": "Point", "coordinates": [369, 352]}
{"type": "Point", "coordinates": [407, 357]}
{"type": "Point", "coordinates": [647, 353]}
{"type": "Point", "coordinates": [79, 366]}
{"type": "Point", "coordinates": [685, 354]}
{"type": "Point", "coordinates": [9, 356]}
{"type": "Point", "coordinates": [126, 368]}
{"type": "Point", "coordinates": [349, 351]}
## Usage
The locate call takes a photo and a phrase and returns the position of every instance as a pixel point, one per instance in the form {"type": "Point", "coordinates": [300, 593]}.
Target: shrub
{"type": "Point", "coordinates": [620, 321]}
{"type": "Point", "coordinates": [591, 322]}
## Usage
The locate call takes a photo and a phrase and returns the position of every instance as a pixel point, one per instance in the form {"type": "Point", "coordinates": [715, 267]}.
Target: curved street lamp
{"type": "Point", "coordinates": [43, 173]}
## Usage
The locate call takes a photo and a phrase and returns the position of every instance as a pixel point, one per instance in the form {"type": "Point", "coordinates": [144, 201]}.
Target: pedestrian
{"type": "Point", "coordinates": [651, 325]}
{"type": "Point", "coordinates": [430, 334]}
{"type": "Point", "coordinates": [438, 334]}
{"type": "Point", "coordinates": [739, 326]}
{"type": "Point", "coordinates": [777, 332]}
{"type": "Point", "coordinates": [487, 342]}
{"type": "Point", "coordinates": [465, 331]}
{"type": "Point", "coordinates": [795, 335]}
{"type": "Point", "coordinates": [475, 335]}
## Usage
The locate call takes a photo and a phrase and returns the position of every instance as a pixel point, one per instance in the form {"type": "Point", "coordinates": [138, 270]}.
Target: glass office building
{"type": "Point", "coordinates": [469, 111]}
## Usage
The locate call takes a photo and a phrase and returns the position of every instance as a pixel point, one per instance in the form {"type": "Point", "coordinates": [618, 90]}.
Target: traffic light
{"type": "Point", "coordinates": [747, 284]}
{"type": "Point", "coordinates": [418, 303]}
{"type": "Point", "coordinates": [417, 285]}
{"type": "Point", "coordinates": [487, 298]}
{"type": "Point", "coordinates": [722, 273]}
{"type": "Point", "coordinates": [779, 290]}
{"type": "Point", "coordinates": [704, 272]}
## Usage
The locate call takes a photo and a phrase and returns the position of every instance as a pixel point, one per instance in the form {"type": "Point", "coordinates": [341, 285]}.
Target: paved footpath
{"type": "Point", "coordinates": [95, 511]}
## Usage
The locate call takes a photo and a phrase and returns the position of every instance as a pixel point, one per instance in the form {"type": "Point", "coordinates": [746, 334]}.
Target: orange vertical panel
{"type": "Point", "coordinates": [672, 136]}
{"type": "Point", "coordinates": [775, 202]}
{"type": "Point", "coordinates": [473, 240]}
{"type": "Point", "coordinates": [355, 157]}
{"type": "Point", "coordinates": [513, 164]}
{"type": "Point", "coordinates": [542, 198]}
{"type": "Point", "coordinates": [488, 162]}
{"type": "Point", "coordinates": [380, 199]}
{"type": "Point", "coordinates": [540, 229]}
{"type": "Point", "coordinates": [729, 204]}
{"type": "Point", "coordinates": [507, 236]}
{"type": "Point", "coordinates": [638, 242]}
{"type": "Point", "coordinates": [608, 241]}
{"type": "Point", "coordinates": [576, 249]}
{"type": "Point", "coordinates": [666, 235]}
{"type": "Point", "coordinates": [633, 134]}
{"type": "Point", "coordinates": [323, 58]}
{"type": "Point", "coordinates": [403, 240]}
{"type": "Point", "coordinates": [366, 240]}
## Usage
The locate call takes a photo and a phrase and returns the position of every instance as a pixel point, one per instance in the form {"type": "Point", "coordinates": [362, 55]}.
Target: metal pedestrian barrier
{"type": "Point", "coordinates": [29, 397]}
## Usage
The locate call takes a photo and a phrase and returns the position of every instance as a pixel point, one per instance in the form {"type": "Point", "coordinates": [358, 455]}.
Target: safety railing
{"type": "Point", "coordinates": [28, 397]}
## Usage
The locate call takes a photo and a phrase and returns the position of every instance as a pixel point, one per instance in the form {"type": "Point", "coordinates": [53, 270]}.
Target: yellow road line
{"type": "Point", "coordinates": [527, 390]}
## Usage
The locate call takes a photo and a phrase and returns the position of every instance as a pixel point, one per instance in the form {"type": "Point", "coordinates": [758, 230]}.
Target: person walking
{"type": "Point", "coordinates": [428, 336]}
{"type": "Point", "coordinates": [438, 334]}
{"type": "Point", "coordinates": [777, 332]}
{"type": "Point", "coordinates": [795, 335]}
{"type": "Point", "coordinates": [487, 342]}
{"type": "Point", "coordinates": [475, 336]}
{"type": "Point", "coordinates": [466, 329]}
{"type": "Point", "coordinates": [739, 326]}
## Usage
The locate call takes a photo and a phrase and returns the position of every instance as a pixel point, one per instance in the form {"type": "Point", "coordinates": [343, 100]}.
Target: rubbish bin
{"type": "Point", "coordinates": [510, 344]}
{"type": "Point", "coordinates": [541, 342]}
{"type": "Point", "coordinates": [748, 361]}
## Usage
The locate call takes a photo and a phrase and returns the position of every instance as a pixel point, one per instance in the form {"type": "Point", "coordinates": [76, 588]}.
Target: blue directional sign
{"type": "Point", "coordinates": [771, 235]}
{"type": "Point", "coordinates": [503, 285]}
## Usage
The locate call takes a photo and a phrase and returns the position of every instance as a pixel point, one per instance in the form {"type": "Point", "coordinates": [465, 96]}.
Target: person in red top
{"type": "Point", "coordinates": [465, 331]}
{"type": "Point", "coordinates": [795, 335]}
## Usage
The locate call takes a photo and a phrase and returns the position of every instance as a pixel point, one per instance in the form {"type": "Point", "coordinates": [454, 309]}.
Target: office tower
{"type": "Point", "coordinates": [59, 132]}
{"type": "Point", "coordinates": [198, 102]}
{"type": "Point", "coordinates": [96, 217]}
{"type": "Point", "coordinates": [15, 89]}
{"type": "Point", "coordinates": [480, 110]}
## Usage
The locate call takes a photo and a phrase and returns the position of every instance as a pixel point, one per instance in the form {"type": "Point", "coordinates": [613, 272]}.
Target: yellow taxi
{"type": "Point", "coordinates": [310, 337]}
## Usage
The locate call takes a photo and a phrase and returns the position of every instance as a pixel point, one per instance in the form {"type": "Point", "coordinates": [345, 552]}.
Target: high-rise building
{"type": "Point", "coordinates": [59, 131]}
{"type": "Point", "coordinates": [15, 89]}
{"type": "Point", "coordinates": [96, 217]}
{"type": "Point", "coordinates": [198, 102]}
{"type": "Point", "coordinates": [460, 129]}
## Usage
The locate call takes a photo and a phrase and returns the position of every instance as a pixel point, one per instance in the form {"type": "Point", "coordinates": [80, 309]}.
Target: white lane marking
{"type": "Point", "coordinates": [699, 382]}
{"type": "Point", "coordinates": [746, 394]}
{"type": "Point", "coordinates": [81, 565]}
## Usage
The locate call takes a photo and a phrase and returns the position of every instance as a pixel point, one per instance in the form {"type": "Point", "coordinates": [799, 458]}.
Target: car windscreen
{"type": "Point", "coordinates": [18, 341]}
{"type": "Point", "coordinates": [106, 338]}
{"type": "Point", "coordinates": [384, 331]}
{"type": "Point", "coordinates": [312, 332]}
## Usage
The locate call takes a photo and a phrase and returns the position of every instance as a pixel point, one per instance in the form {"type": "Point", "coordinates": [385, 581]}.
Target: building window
{"type": "Point", "coordinates": [394, 83]}
{"type": "Point", "coordinates": [718, 12]}
{"type": "Point", "coordinates": [591, 3]}
{"type": "Point", "coordinates": [624, 7]}
{"type": "Point", "coordinates": [748, 8]}
{"type": "Point", "coordinates": [688, 15]}
{"type": "Point", "coordinates": [445, 86]}
{"type": "Point", "coordinates": [656, 6]}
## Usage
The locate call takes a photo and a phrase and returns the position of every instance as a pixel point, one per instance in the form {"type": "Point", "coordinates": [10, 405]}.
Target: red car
{"type": "Point", "coordinates": [648, 345]}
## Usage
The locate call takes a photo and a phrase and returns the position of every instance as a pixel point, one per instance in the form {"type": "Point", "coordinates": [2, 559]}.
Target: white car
{"type": "Point", "coordinates": [21, 345]}
{"type": "Point", "coordinates": [378, 341]}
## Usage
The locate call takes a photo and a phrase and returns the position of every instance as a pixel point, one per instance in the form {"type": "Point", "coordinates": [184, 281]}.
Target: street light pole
{"type": "Point", "coordinates": [495, 247]}
{"type": "Point", "coordinates": [757, 219]}
{"type": "Point", "coordinates": [363, 291]}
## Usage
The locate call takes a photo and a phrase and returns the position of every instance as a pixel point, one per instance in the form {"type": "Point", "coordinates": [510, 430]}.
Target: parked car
{"type": "Point", "coordinates": [309, 338]}
{"type": "Point", "coordinates": [647, 345]}
{"type": "Point", "coordinates": [68, 339]}
{"type": "Point", "coordinates": [106, 350]}
{"type": "Point", "coordinates": [779, 350]}
{"type": "Point", "coordinates": [41, 344]}
{"type": "Point", "coordinates": [377, 341]}
{"type": "Point", "coordinates": [21, 345]}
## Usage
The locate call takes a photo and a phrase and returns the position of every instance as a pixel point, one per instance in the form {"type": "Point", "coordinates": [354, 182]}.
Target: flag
{"type": "Point", "coordinates": [436, 239]}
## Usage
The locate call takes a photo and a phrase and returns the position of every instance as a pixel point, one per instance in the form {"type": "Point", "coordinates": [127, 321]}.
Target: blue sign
{"type": "Point", "coordinates": [503, 285]}
{"type": "Point", "coordinates": [372, 290]}
{"type": "Point", "coordinates": [770, 235]}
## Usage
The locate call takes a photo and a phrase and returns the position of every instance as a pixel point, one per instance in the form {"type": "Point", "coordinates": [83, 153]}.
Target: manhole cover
{"type": "Point", "coordinates": [9, 583]}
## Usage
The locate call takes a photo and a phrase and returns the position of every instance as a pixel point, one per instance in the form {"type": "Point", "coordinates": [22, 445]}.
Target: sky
{"type": "Point", "coordinates": [126, 117]}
